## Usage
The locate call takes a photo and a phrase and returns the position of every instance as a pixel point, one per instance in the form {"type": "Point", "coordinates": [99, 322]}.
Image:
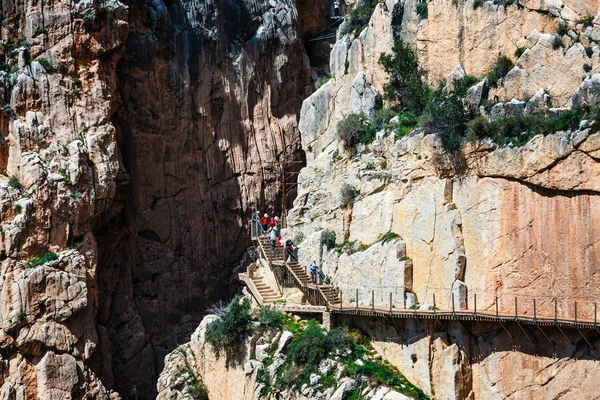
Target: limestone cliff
{"type": "Point", "coordinates": [514, 221]}
{"type": "Point", "coordinates": [134, 136]}
{"type": "Point", "coordinates": [259, 367]}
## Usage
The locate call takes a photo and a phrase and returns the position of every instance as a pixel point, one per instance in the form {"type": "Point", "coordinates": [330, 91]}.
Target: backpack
{"type": "Point", "coordinates": [277, 241]}
{"type": "Point", "coordinates": [288, 242]}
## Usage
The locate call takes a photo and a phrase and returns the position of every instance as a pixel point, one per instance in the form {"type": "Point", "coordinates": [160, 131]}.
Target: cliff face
{"type": "Point", "coordinates": [513, 222]}
{"type": "Point", "coordinates": [134, 138]}
{"type": "Point", "coordinates": [207, 104]}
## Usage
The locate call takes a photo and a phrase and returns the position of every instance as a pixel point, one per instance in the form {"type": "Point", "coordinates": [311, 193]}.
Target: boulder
{"type": "Point", "coordinates": [476, 94]}
{"type": "Point", "coordinates": [538, 104]}
{"type": "Point", "coordinates": [344, 390]}
{"type": "Point", "coordinates": [363, 96]}
{"type": "Point", "coordinates": [284, 340]}
{"type": "Point", "coordinates": [512, 109]}
{"type": "Point", "coordinates": [588, 94]}
{"type": "Point", "coordinates": [57, 376]}
{"type": "Point", "coordinates": [456, 74]}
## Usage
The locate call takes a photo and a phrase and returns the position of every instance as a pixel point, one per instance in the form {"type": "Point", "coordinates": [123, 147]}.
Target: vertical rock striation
{"type": "Point", "coordinates": [208, 96]}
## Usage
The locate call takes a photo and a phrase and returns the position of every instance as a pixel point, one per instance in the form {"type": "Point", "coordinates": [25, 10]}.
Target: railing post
{"type": "Point", "coordinates": [555, 310]}
{"type": "Point", "coordinates": [534, 311]}
{"type": "Point", "coordinates": [595, 313]}
{"type": "Point", "coordinates": [356, 299]}
{"type": "Point", "coordinates": [516, 309]}
{"type": "Point", "coordinates": [341, 300]}
{"type": "Point", "coordinates": [575, 312]}
{"type": "Point", "coordinates": [497, 316]}
{"type": "Point", "coordinates": [373, 300]}
{"type": "Point", "coordinates": [453, 313]}
{"type": "Point", "coordinates": [390, 302]}
{"type": "Point", "coordinates": [434, 310]}
{"type": "Point", "coordinates": [475, 303]}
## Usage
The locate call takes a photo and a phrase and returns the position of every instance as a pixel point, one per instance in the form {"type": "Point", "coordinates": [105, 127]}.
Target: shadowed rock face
{"type": "Point", "coordinates": [208, 96]}
{"type": "Point", "coordinates": [137, 135]}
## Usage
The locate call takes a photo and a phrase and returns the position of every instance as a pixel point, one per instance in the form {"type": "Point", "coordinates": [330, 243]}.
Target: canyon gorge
{"type": "Point", "coordinates": [137, 139]}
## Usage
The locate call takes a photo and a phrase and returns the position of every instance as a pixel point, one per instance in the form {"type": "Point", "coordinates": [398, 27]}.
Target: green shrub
{"type": "Point", "coordinates": [406, 84]}
{"type": "Point", "coordinates": [348, 195]}
{"type": "Point", "coordinates": [388, 236]}
{"type": "Point", "coordinates": [587, 22]}
{"type": "Point", "coordinates": [7, 109]}
{"type": "Point", "coordinates": [382, 118]}
{"type": "Point", "coordinates": [309, 347]}
{"type": "Point", "coordinates": [88, 17]}
{"type": "Point", "coordinates": [360, 15]}
{"type": "Point", "coordinates": [21, 316]}
{"type": "Point", "coordinates": [519, 51]}
{"type": "Point", "coordinates": [229, 329]}
{"type": "Point", "coordinates": [46, 64]}
{"type": "Point", "coordinates": [587, 67]}
{"type": "Point", "coordinates": [344, 245]}
{"type": "Point", "coordinates": [77, 81]}
{"type": "Point", "coordinates": [505, 3]}
{"type": "Point", "coordinates": [446, 116]}
{"type": "Point", "coordinates": [518, 131]}
{"type": "Point", "coordinates": [197, 390]}
{"type": "Point", "coordinates": [14, 183]}
{"type": "Point", "coordinates": [589, 51]}
{"type": "Point", "coordinates": [561, 28]}
{"type": "Point", "coordinates": [76, 196]}
{"type": "Point", "coordinates": [407, 122]}
{"type": "Point", "coordinates": [271, 317]}
{"type": "Point", "coordinates": [36, 262]}
{"type": "Point", "coordinates": [478, 3]}
{"type": "Point", "coordinates": [312, 345]}
{"type": "Point", "coordinates": [328, 239]}
{"type": "Point", "coordinates": [500, 70]}
{"type": "Point", "coordinates": [370, 166]}
{"type": "Point", "coordinates": [321, 81]}
{"type": "Point", "coordinates": [556, 43]}
{"type": "Point", "coordinates": [422, 10]}
{"type": "Point", "coordinates": [384, 374]}
{"type": "Point", "coordinates": [355, 129]}
{"type": "Point", "coordinates": [462, 85]}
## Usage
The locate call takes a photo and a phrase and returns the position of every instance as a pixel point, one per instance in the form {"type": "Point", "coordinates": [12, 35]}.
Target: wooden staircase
{"type": "Point", "coordinates": [268, 295]}
{"type": "Point", "coordinates": [272, 256]}
{"type": "Point", "coordinates": [319, 294]}
{"type": "Point", "coordinates": [330, 294]}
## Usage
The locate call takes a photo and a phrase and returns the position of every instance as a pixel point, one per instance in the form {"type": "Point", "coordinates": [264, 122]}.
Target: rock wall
{"type": "Point", "coordinates": [514, 222]}
{"type": "Point", "coordinates": [207, 106]}
{"type": "Point", "coordinates": [134, 138]}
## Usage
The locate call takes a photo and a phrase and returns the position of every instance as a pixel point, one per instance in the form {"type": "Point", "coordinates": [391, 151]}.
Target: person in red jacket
{"type": "Point", "coordinates": [265, 223]}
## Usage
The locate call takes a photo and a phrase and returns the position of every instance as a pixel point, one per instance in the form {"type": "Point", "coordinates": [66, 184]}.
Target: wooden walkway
{"type": "Point", "coordinates": [324, 298]}
{"type": "Point", "coordinates": [464, 315]}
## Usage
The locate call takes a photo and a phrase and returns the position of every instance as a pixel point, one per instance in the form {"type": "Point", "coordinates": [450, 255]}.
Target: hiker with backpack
{"type": "Point", "coordinates": [313, 271]}
{"type": "Point", "coordinates": [291, 251]}
{"type": "Point", "coordinates": [273, 238]}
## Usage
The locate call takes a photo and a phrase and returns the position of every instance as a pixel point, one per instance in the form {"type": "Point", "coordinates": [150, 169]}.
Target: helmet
{"type": "Point", "coordinates": [266, 215]}
{"type": "Point", "coordinates": [276, 218]}
{"type": "Point", "coordinates": [258, 213]}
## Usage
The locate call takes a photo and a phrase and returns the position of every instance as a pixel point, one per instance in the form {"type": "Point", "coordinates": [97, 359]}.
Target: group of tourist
{"type": "Point", "coordinates": [271, 227]}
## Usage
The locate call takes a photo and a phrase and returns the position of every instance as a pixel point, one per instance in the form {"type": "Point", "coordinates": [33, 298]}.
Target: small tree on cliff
{"type": "Point", "coordinates": [406, 85]}
{"type": "Point", "coordinates": [231, 326]}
